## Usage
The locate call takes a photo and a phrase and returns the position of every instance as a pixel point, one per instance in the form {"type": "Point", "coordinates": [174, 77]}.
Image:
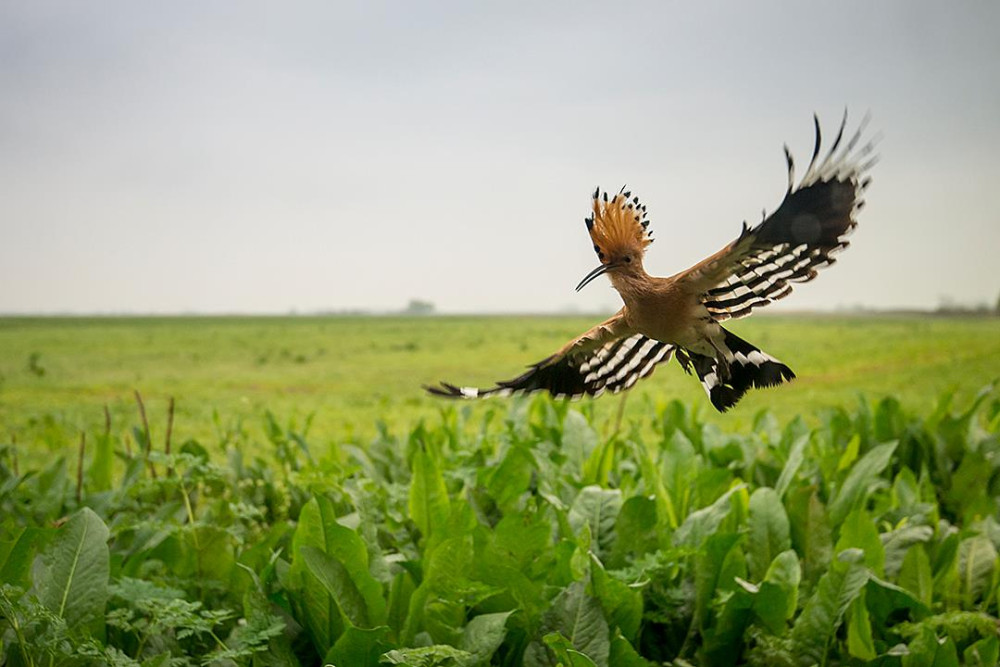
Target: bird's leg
{"type": "Point", "coordinates": [722, 361]}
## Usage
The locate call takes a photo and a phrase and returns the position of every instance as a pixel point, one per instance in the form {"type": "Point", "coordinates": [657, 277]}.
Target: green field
{"type": "Point", "coordinates": [835, 530]}
{"type": "Point", "coordinates": [348, 373]}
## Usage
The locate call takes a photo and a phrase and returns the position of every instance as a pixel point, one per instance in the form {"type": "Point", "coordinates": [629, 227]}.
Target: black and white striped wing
{"type": "Point", "coordinates": [614, 366]}
{"type": "Point", "coordinates": [809, 227]}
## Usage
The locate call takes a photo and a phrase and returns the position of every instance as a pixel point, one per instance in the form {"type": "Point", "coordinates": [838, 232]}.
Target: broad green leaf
{"type": "Point", "coordinates": [653, 483]}
{"type": "Point", "coordinates": [483, 635]}
{"type": "Point", "coordinates": [597, 508]}
{"type": "Point", "coordinates": [71, 578]}
{"type": "Point", "coordinates": [778, 597]}
{"type": "Point", "coordinates": [859, 531]}
{"type": "Point", "coordinates": [899, 542]}
{"type": "Point", "coordinates": [850, 454]}
{"type": "Point", "coordinates": [792, 465]}
{"type": "Point", "coordinates": [977, 563]}
{"type": "Point", "coordinates": [99, 474]}
{"type": "Point", "coordinates": [717, 565]}
{"type": "Point", "coordinates": [523, 538]}
{"type": "Point", "coordinates": [511, 477]}
{"type": "Point", "coordinates": [711, 483]}
{"type": "Point", "coordinates": [600, 463]}
{"type": "Point", "coordinates": [888, 421]}
{"type": "Point", "coordinates": [679, 465]}
{"type": "Point", "coordinates": [337, 583]}
{"type": "Point", "coordinates": [859, 480]}
{"type": "Point", "coordinates": [359, 647]}
{"type": "Point", "coordinates": [207, 553]}
{"type": "Point", "coordinates": [443, 620]}
{"type": "Point", "coordinates": [944, 565]}
{"type": "Point", "coordinates": [623, 654]}
{"type": "Point", "coordinates": [704, 522]}
{"type": "Point", "coordinates": [446, 591]}
{"type": "Point", "coordinates": [968, 495]}
{"type": "Point", "coordinates": [519, 559]}
{"type": "Point", "coordinates": [637, 530]}
{"type": "Point", "coordinates": [15, 567]}
{"type": "Point", "coordinates": [905, 490]}
{"type": "Point", "coordinates": [568, 558]}
{"type": "Point", "coordinates": [316, 607]}
{"type": "Point", "coordinates": [915, 574]}
{"type": "Point", "coordinates": [429, 505]}
{"type": "Point", "coordinates": [400, 591]}
{"type": "Point", "coordinates": [578, 440]}
{"type": "Point", "coordinates": [810, 530]}
{"type": "Point", "coordinates": [860, 643]}
{"type": "Point", "coordinates": [577, 617]}
{"type": "Point", "coordinates": [767, 426]}
{"type": "Point", "coordinates": [983, 653]}
{"type": "Point", "coordinates": [823, 612]}
{"type": "Point", "coordinates": [319, 528]}
{"type": "Point", "coordinates": [622, 605]}
{"type": "Point", "coordinates": [722, 642]}
{"type": "Point", "coordinates": [347, 547]}
{"type": "Point", "coordinates": [311, 528]}
{"type": "Point", "coordinates": [886, 600]}
{"type": "Point", "coordinates": [768, 531]}
{"type": "Point", "coordinates": [927, 651]}
{"type": "Point", "coordinates": [770, 607]}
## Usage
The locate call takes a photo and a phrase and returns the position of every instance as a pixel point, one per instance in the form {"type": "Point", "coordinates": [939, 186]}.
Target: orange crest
{"type": "Point", "coordinates": [618, 226]}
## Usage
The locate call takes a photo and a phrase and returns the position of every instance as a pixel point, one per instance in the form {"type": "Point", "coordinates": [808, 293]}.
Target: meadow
{"type": "Point", "coordinates": [345, 375]}
{"type": "Point", "coordinates": [313, 506]}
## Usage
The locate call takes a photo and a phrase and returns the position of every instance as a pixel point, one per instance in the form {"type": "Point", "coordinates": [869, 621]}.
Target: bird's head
{"type": "Point", "coordinates": [620, 232]}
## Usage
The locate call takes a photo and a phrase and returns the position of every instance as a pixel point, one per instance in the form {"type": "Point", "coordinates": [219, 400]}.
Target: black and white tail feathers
{"type": "Point", "coordinates": [726, 382]}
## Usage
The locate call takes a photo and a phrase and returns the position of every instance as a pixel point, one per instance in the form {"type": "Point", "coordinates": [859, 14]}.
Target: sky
{"type": "Point", "coordinates": [222, 157]}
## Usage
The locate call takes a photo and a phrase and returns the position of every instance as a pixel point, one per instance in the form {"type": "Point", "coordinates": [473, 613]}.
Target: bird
{"type": "Point", "coordinates": [681, 316]}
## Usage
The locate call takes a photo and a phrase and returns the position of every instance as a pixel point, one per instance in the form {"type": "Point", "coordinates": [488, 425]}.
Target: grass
{"type": "Point", "coordinates": [367, 524]}
{"type": "Point", "coordinates": [348, 373]}
{"type": "Point", "coordinates": [870, 539]}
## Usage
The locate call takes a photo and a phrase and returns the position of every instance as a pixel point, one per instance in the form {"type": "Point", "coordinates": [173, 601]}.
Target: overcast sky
{"type": "Point", "coordinates": [264, 157]}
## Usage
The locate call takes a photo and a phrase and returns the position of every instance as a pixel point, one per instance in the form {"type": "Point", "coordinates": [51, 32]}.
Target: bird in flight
{"type": "Point", "coordinates": [681, 315]}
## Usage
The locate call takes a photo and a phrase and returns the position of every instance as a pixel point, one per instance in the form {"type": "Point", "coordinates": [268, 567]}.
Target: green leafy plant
{"type": "Point", "coordinates": [529, 540]}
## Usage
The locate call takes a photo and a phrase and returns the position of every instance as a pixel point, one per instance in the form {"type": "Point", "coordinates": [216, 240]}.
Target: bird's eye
{"type": "Point", "coordinates": [628, 260]}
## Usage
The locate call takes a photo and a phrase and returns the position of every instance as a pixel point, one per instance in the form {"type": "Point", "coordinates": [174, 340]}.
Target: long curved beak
{"type": "Point", "coordinates": [599, 271]}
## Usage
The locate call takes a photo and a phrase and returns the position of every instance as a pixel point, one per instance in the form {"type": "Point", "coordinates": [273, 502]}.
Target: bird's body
{"type": "Point", "coordinates": [681, 315]}
{"type": "Point", "coordinates": [645, 297]}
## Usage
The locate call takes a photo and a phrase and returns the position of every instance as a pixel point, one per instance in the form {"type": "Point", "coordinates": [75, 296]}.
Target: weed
{"type": "Point", "coordinates": [529, 539]}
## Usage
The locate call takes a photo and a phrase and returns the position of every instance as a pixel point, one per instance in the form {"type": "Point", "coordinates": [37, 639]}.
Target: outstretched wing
{"type": "Point", "coordinates": [609, 357]}
{"type": "Point", "coordinates": [802, 235]}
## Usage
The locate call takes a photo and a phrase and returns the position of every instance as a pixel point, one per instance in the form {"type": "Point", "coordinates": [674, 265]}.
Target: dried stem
{"type": "Point", "coordinates": [170, 430]}
{"type": "Point", "coordinates": [148, 445]}
{"type": "Point", "coordinates": [79, 468]}
{"type": "Point", "coordinates": [13, 454]}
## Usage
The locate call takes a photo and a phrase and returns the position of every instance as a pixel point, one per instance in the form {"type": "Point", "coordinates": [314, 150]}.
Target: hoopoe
{"type": "Point", "coordinates": [681, 315]}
